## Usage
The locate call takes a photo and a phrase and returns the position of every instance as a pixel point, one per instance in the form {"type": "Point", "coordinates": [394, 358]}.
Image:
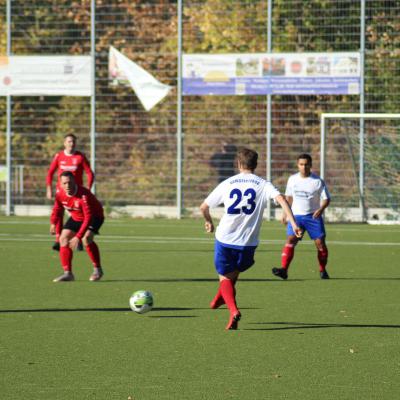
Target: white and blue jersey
{"type": "Point", "coordinates": [244, 196]}
{"type": "Point", "coordinates": [307, 193]}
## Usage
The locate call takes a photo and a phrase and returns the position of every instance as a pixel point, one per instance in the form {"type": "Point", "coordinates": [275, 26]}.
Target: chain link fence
{"type": "Point", "coordinates": [136, 151]}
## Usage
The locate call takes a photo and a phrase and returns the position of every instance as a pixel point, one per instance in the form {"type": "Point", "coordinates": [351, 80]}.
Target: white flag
{"type": "Point", "coordinates": [147, 88]}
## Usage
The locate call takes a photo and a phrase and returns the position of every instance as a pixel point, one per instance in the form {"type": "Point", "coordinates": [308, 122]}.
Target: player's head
{"type": "Point", "coordinates": [69, 142]}
{"type": "Point", "coordinates": [247, 159]}
{"type": "Point", "coordinates": [67, 182]}
{"type": "Point", "coordinates": [304, 164]}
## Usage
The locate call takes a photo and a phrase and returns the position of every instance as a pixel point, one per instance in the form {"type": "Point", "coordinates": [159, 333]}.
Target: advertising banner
{"type": "Point", "coordinates": [271, 73]}
{"type": "Point", "coordinates": [45, 76]}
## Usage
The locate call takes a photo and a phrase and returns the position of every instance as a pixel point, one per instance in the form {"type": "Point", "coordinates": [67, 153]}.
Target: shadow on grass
{"type": "Point", "coordinates": [366, 279]}
{"type": "Point", "coordinates": [112, 309]}
{"type": "Point", "coordinates": [104, 309]}
{"type": "Point", "coordinates": [303, 325]}
{"type": "Point", "coordinates": [167, 280]}
{"type": "Point", "coordinates": [207, 251]}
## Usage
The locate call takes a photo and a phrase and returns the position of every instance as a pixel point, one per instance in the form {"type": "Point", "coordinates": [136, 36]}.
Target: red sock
{"type": "Point", "coordinates": [218, 300]}
{"type": "Point", "coordinates": [94, 254]}
{"type": "Point", "coordinates": [66, 258]}
{"type": "Point", "coordinates": [227, 288]}
{"type": "Point", "coordinates": [287, 255]}
{"type": "Point", "coordinates": [322, 258]}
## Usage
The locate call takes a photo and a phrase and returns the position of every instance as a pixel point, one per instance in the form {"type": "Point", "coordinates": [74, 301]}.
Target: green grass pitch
{"type": "Point", "coordinates": [298, 339]}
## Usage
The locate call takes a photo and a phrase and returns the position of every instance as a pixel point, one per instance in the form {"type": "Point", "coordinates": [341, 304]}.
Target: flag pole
{"type": "Point", "coordinates": [8, 127]}
{"type": "Point", "coordinates": [93, 86]}
{"type": "Point", "coordinates": [179, 118]}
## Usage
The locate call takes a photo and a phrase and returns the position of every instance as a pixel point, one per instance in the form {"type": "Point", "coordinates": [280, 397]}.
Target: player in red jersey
{"type": "Point", "coordinates": [87, 216]}
{"type": "Point", "coordinates": [71, 160]}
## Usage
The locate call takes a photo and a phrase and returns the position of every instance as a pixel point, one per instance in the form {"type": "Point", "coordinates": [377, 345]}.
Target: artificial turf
{"type": "Point", "coordinates": [303, 338]}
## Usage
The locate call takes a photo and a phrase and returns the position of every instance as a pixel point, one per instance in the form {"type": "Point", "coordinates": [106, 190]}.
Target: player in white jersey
{"type": "Point", "coordinates": [244, 196]}
{"type": "Point", "coordinates": [308, 196]}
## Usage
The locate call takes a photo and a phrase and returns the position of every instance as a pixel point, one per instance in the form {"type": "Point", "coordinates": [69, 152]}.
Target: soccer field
{"type": "Point", "coordinates": [303, 338]}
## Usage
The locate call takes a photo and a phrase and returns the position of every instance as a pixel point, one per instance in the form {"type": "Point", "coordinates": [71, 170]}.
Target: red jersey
{"type": "Point", "coordinates": [75, 163]}
{"type": "Point", "coordinates": [82, 206]}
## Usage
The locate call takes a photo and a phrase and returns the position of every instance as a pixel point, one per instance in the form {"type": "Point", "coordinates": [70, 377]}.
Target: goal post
{"type": "Point", "coordinates": [360, 157]}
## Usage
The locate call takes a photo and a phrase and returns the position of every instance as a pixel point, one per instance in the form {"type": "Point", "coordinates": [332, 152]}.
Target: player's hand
{"type": "Point", "coordinates": [73, 243]}
{"type": "Point", "coordinates": [284, 219]}
{"type": "Point", "coordinates": [52, 229]}
{"type": "Point", "coordinates": [317, 213]}
{"type": "Point", "coordinates": [49, 193]}
{"type": "Point", "coordinates": [209, 227]}
{"type": "Point", "coordinates": [298, 232]}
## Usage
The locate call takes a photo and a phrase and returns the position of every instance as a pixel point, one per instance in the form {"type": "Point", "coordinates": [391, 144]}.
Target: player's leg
{"type": "Point", "coordinates": [322, 254]}
{"type": "Point", "coordinates": [316, 230]}
{"type": "Point", "coordinates": [59, 226]}
{"type": "Point", "coordinates": [222, 258]}
{"type": "Point", "coordinates": [226, 265]}
{"type": "Point", "coordinates": [228, 292]}
{"type": "Point", "coordinates": [93, 250]}
{"type": "Point", "coordinates": [66, 256]}
{"type": "Point", "coordinates": [287, 251]}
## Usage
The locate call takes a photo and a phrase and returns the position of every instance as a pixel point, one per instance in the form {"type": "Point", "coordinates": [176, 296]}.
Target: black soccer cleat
{"type": "Point", "coordinates": [324, 275]}
{"type": "Point", "coordinates": [80, 247]}
{"type": "Point", "coordinates": [280, 272]}
{"type": "Point", "coordinates": [233, 321]}
{"type": "Point", "coordinates": [56, 246]}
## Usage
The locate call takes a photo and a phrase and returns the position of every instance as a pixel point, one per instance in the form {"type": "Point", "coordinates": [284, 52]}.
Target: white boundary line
{"type": "Point", "coordinates": [5, 237]}
{"type": "Point", "coordinates": [331, 227]}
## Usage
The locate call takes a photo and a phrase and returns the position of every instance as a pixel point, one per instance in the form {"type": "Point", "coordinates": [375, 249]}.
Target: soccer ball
{"type": "Point", "coordinates": [141, 301]}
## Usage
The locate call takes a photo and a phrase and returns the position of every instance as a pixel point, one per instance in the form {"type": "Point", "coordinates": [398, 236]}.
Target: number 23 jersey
{"type": "Point", "coordinates": [244, 196]}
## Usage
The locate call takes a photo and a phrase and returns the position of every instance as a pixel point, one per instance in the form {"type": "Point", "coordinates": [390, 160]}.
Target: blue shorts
{"type": "Point", "coordinates": [314, 227]}
{"type": "Point", "coordinates": [227, 259]}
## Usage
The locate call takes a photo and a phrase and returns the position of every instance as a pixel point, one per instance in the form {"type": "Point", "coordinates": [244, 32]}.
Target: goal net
{"type": "Point", "coordinates": [360, 162]}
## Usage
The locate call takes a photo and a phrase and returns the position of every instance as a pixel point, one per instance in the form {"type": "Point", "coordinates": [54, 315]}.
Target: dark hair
{"type": "Point", "coordinates": [67, 174]}
{"type": "Point", "coordinates": [70, 135]}
{"type": "Point", "coordinates": [247, 158]}
{"type": "Point", "coordinates": [305, 156]}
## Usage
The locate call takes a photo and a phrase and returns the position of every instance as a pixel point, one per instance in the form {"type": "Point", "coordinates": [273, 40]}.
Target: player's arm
{"type": "Point", "coordinates": [324, 204]}
{"type": "Point", "coordinates": [89, 172]}
{"type": "Point", "coordinates": [288, 211]}
{"type": "Point", "coordinates": [49, 178]}
{"type": "Point", "coordinates": [284, 218]}
{"type": "Point", "coordinates": [205, 211]}
{"type": "Point", "coordinates": [56, 215]}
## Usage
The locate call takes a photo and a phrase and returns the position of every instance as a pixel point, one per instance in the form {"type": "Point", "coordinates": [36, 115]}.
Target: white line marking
{"type": "Point", "coordinates": [175, 240]}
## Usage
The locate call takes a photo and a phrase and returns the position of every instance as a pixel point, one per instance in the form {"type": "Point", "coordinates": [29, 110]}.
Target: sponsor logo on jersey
{"type": "Point", "coordinates": [68, 167]}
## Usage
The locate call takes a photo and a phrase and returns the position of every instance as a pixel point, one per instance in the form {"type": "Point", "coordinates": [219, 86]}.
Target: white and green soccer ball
{"type": "Point", "coordinates": [141, 301]}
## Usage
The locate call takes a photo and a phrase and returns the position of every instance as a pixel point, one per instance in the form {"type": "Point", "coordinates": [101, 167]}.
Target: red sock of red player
{"type": "Point", "coordinates": [228, 293]}
{"type": "Point", "coordinates": [287, 255]}
{"type": "Point", "coordinates": [66, 258]}
{"type": "Point", "coordinates": [94, 254]}
{"type": "Point", "coordinates": [322, 259]}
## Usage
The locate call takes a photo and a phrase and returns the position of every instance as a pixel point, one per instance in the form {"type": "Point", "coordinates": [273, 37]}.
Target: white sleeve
{"type": "Point", "coordinates": [271, 191]}
{"type": "Point", "coordinates": [289, 188]}
{"type": "Point", "coordinates": [216, 197]}
{"type": "Point", "coordinates": [324, 191]}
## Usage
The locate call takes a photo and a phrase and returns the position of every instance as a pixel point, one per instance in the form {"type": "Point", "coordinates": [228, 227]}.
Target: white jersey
{"type": "Point", "coordinates": [307, 193]}
{"type": "Point", "coordinates": [244, 196]}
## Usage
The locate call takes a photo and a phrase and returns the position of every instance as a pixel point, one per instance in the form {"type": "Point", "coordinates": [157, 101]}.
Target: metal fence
{"type": "Point", "coordinates": [157, 158]}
